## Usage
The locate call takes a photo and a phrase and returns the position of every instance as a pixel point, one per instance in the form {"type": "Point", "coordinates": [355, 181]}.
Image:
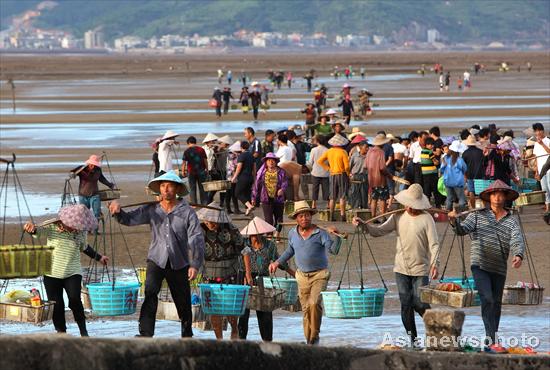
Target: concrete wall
{"type": "Point", "coordinates": [70, 353]}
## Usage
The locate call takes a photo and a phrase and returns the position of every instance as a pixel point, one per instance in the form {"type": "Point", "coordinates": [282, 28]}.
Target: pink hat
{"type": "Point", "coordinates": [95, 160]}
{"type": "Point", "coordinates": [256, 227]}
{"type": "Point", "coordinates": [270, 155]}
{"type": "Point", "coordinates": [78, 217]}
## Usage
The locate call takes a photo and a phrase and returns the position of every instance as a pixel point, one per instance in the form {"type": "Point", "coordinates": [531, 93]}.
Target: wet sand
{"type": "Point", "coordinates": [63, 116]}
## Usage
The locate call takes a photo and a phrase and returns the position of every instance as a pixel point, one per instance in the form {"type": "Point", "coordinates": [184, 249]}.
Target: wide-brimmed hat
{"type": "Point", "coordinates": [338, 140]}
{"type": "Point", "coordinates": [413, 197]}
{"type": "Point", "coordinates": [226, 139]}
{"type": "Point", "coordinates": [78, 217]}
{"type": "Point", "coordinates": [213, 214]}
{"type": "Point", "coordinates": [354, 132]}
{"type": "Point", "coordinates": [236, 147]}
{"type": "Point", "coordinates": [505, 139]}
{"type": "Point", "coordinates": [257, 226]}
{"type": "Point", "coordinates": [169, 135]}
{"type": "Point", "coordinates": [470, 141]}
{"type": "Point", "coordinates": [359, 139]}
{"type": "Point", "coordinates": [473, 131]}
{"type": "Point", "coordinates": [392, 138]}
{"type": "Point", "coordinates": [455, 147]}
{"type": "Point", "coordinates": [341, 123]}
{"type": "Point", "coordinates": [331, 111]}
{"type": "Point", "coordinates": [310, 103]}
{"type": "Point", "coordinates": [254, 83]}
{"type": "Point", "coordinates": [499, 185]}
{"type": "Point", "coordinates": [346, 85]}
{"type": "Point", "coordinates": [380, 139]}
{"type": "Point", "coordinates": [210, 137]}
{"type": "Point", "coordinates": [302, 206]}
{"type": "Point", "coordinates": [271, 155]}
{"type": "Point", "coordinates": [298, 131]}
{"type": "Point", "coordinates": [170, 176]}
{"type": "Point", "coordinates": [95, 160]}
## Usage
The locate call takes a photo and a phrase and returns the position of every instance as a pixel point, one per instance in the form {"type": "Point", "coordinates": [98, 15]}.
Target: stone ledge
{"type": "Point", "coordinates": [28, 352]}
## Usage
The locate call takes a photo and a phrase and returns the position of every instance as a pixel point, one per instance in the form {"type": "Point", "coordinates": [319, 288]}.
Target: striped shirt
{"type": "Point", "coordinates": [67, 247]}
{"type": "Point", "coordinates": [427, 163]}
{"type": "Point", "coordinates": [492, 240]}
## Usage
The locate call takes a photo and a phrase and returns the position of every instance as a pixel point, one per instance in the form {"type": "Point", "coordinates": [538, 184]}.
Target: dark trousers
{"type": "Point", "coordinates": [417, 174]}
{"type": "Point", "coordinates": [319, 183]}
{"type": "Point", "coordinates": [273, 212]}
{"type": "Point", "coordinates": [265, 323]}
{"type": "Point", "coordinates": [255, 111]}
{"type": "Point", "coordinates": [225, 107]}
{"type": "Point", "coordinates": [409, 295]}
{"type": "Point", "coordinates": [54, 290]}
{"type": "Point", "coordinates": [194, 183]}
{"type": "Point", "coordinates": [181, 294]}
{"type": "Point", "coordinates": [219, 109]}
{"type": "Point", "coordinates": [230, 197]}
{"type": "Point", "coordinates": [243, 188]}
{"type": "Point", "coordinates": [490, 287]}
{"type": "Point", "coordinates": [429, 185]}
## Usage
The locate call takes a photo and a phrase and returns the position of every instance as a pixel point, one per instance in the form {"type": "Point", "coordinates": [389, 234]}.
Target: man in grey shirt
{"type": "Point", "coordinates": [176, 251]}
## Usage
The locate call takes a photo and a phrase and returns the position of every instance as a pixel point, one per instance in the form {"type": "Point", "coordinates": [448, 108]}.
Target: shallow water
{"type": "Point", "coordinates": [40, 111]}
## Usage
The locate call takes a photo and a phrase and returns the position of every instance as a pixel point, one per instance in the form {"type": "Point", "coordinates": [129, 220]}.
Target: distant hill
{"type": "Point", "coordinates": [456, 20]}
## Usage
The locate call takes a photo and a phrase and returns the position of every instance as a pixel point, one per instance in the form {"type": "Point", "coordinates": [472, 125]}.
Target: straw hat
{"type": "Point", "coordinates": [301, 206]}
{"type": "Point", "coordinates": [95, 160]}
{"type": "Point", "coordinates": [413, 197]}
{"type": "Point", "coordinates": [380, 139]}
{"type": "Point", "coordinates": [499, 185]}
{"type": "Point", "coordinates": [210, 137]}
{"type": "Point", "coordinates": [338, 140]}
{"type": "Point", "coordinates": [271, 155]}
{"type": "Point", "coordinates": [217, 215]}
{"type": "Point", "coordinates": [169, 135]}
{"type": "Point", "coordinates": [254, 83]}
{"type": "Point", "coordinates": [331, 111]}
{"type": "Point", "coordinates": [226, 140]}
{"type": "Point", "coordinates": [298, 131]}
{"type": "Point", "coordinates": [505, 139]}
{"type": "Point", "coordinates": [257, 227]}
{"type": "Point", "coordinates": [170, 176]}
{"type": "Point", "coordinates": [78, 217]}
{"type": "Point", "coordinates": [236, 147]}
{"type": "Point", "coordinates": [473, 131]}
{"type": "Point", "coordinates": [470, 141]}
{"type": "Point", "coordinates": [339, 122]}
{"type": "Point", "coordinates": [392, 138]}
{"type": "Point", "coordinates": [354, 132]}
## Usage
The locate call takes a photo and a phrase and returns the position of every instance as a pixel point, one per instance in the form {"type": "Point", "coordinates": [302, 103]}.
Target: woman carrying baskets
{"type": "Point", "coordinates": [269, 188]}
{"type": "Point", "coordinates": [258, 253]}
{"type": "Point", "coordinates": [223, 246]}
{"type": "Point", "coordinates": [89, 175]}
{"type": "Point", "coordinates": [67, 235]}
{"type": "Point", "coordinates": [495, 233]}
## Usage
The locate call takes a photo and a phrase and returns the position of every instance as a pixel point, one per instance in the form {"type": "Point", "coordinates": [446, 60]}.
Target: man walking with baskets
{"type": "Point", "coordinates": [309, 244]}
{"type": "Point", "coordinates": [176, 252]}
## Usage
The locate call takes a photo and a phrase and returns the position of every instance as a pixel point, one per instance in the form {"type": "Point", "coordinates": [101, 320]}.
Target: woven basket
{"type": "Point", "coordinates": [27, 313]}
{"type": "Point", "coordinates": [109, 194]}
{"type": "Point", "coordinates": [532, 198]}
{"type": "Point", "coordinates": [117, 301]}
{"type": "Point", "coordinates": [465, 284]}
{"type": "Point", "coordinates": [290, 286]}
{"type": "Point", "coordinates": [522, 296]}
{"type": "Point", "coordinates": [24, 261]}
{"type": "Point", "coordinates": [267, 301]}
{"type": "Point", "coordinates": [224, 300]}
{"type": "Point", "coordinates": [218, 185]}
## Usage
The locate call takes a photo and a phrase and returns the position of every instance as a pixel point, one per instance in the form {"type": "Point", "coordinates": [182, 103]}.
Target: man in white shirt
{"type": "Point", "coordinates": [284, 152]}
{"type": "Point", "coordinates": [541, 151]}
{"type": "Point", "coordinates": [414, 153]}
{"type": "Point", "coordinates": [167, 151]}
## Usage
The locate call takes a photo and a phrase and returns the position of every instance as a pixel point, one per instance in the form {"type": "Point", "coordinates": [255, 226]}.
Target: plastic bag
{"type": "Point", "coordinates": [16, 296]}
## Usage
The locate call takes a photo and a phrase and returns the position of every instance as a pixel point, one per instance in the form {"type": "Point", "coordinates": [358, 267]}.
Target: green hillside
{"type": "Point", "coordinates": [457, 20]}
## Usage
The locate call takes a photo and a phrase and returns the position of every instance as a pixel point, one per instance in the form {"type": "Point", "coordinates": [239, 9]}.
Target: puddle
{"type": "Point", "coordinates": [13, 205]}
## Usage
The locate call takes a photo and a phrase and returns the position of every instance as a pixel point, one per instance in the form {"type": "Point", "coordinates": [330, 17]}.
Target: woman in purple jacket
{"type": "Point", "coordinates": [269, 189]}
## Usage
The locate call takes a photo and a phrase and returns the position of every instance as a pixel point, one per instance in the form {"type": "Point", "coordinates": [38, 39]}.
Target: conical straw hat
{"type": "Point", "coordinates": [256, 227]}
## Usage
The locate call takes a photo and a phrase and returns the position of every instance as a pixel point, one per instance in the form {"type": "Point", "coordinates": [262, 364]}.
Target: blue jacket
{"type": "Point", "coordinates": [453, 175]}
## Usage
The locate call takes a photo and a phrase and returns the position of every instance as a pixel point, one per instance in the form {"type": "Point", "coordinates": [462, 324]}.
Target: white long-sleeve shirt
{"type": "Point", "coordinates": [166, 155]}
